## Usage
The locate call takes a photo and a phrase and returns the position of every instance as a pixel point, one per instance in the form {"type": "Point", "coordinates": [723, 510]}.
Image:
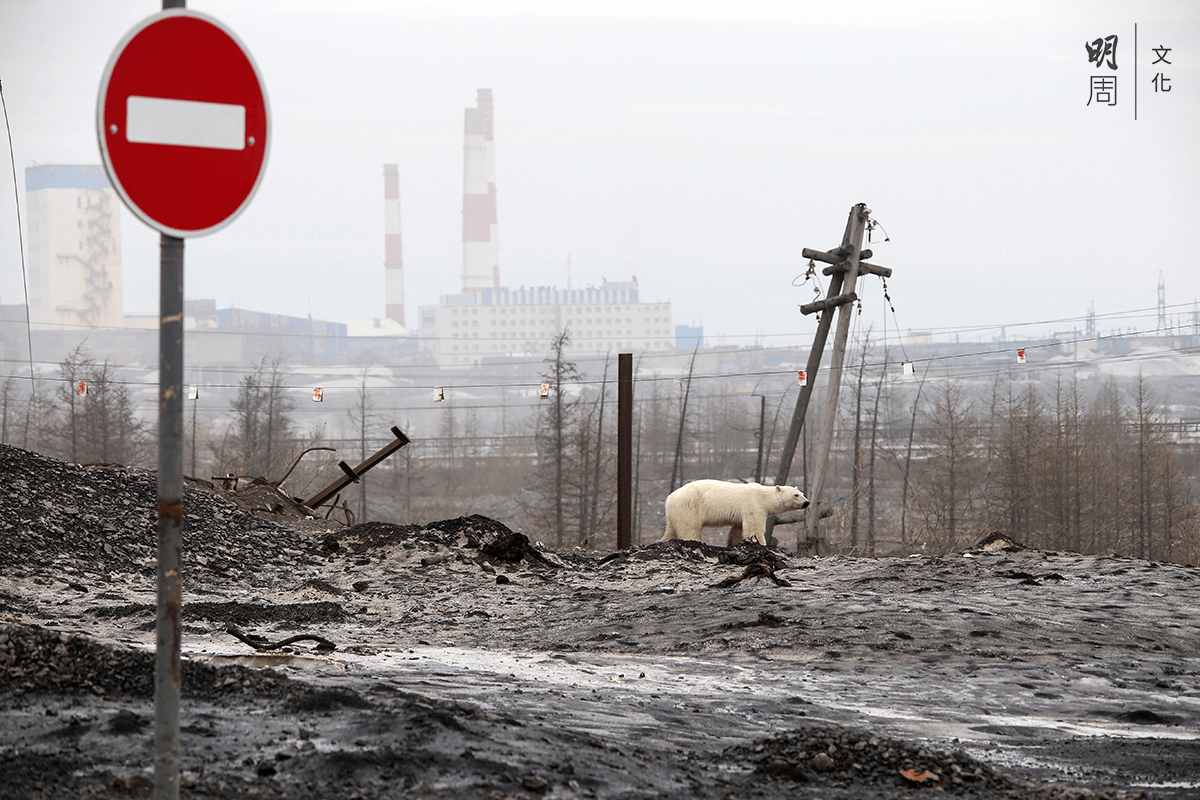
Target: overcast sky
{"type": "Point", "coordinates": [697, 146]}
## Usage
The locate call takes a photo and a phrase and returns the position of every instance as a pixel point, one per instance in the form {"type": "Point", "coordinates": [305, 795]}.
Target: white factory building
{"type": "Point", "coordinates": [74, 247]}
{"type": "Point", "coordinates": [466, 328]}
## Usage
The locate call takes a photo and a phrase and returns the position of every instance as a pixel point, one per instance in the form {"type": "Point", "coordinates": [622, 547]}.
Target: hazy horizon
{"type": "Point", "coordinates": [696, 147]}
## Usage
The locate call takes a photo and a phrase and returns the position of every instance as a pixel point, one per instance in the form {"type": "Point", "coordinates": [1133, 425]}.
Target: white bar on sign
{"type": "Point", "coordinates": [159, 120]}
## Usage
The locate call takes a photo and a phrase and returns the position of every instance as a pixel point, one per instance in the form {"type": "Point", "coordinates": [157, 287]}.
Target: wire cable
{"type": "Point", "coordinates": [20, 236]}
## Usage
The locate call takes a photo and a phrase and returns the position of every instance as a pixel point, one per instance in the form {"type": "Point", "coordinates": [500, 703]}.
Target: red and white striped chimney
{"type": "Point", "coordinates": [481, 246]}
{"type": "Point", "coordinates": [393, 264]}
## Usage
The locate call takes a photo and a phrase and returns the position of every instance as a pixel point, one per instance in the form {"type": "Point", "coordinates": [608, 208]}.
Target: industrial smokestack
{"type": "Point", "coordinates": [481, 247]}
{"type": "Point", "coordinates": [393, 264]}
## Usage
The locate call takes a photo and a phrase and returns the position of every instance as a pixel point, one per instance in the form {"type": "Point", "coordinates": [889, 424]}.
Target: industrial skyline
{"type": "Point", "coordinates": [698, 147]}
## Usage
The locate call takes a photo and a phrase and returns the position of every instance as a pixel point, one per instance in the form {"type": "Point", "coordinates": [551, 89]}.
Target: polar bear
{"type": "Point", "coordinates": [743, 506]}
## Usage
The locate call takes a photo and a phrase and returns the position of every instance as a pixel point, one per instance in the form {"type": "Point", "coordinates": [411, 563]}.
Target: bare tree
{"type": "Point", "coordinates": [947, 486]}
{"type": "Point", "coordinates": [40, 420]}
{"type": "Point", "coordinates": [677, 465]}
{"type": "Point", "coordinates": [73, 371]}
{"type": "Point", "coordinates": [553, 438]}
{"type": "Point", "coordinates": [8, 405]}
{"type": "Point", "coordinates": [115, 432]}
{"type": "Point", "coordinates": [912, 429]}
{"type": "Point", "coordinates": [362, 415]}
{"type": "Point", "coordinates": [601, 463]}
{"type": "Point", "coordinates": [260, 436]}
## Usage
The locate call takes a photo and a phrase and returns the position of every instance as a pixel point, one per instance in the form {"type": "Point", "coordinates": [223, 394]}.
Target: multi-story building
{"type": "Point", "coordinates": [466, 328]}
{"type": "Point", "coordinates": [74, 245]}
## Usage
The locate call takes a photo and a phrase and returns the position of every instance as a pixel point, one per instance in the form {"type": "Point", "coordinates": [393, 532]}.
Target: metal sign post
{"type": "Point", "coordinates": [182, 125]}
{"type": "Point", "coordinates": [170, 519]}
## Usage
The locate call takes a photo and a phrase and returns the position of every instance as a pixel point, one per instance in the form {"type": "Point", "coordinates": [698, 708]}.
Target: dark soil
{"type": "Point", "coordinates": [468, 661]}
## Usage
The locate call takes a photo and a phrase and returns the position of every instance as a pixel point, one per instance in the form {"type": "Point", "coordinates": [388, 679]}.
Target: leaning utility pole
{"type": "Point", "coordinates": [845, 266]}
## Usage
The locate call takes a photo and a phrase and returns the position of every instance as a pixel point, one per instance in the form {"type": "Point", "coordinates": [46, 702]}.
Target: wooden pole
{"type": "Point", "coordinates": [854, 230]}
{"type": "Point", "coordinates": [814, 356]}
{"type": "Point", "coordinates": [624, 450]}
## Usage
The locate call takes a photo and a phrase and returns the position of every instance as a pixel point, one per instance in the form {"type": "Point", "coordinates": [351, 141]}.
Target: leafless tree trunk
{"type": "Point", "coordinates": [555, 428]}
{"type": "Point", "coordinates": [677, 466]}
{"type": "Point", "coordinates": [72, 370]}
{"type": "Point", "coordinates": [912, 427]}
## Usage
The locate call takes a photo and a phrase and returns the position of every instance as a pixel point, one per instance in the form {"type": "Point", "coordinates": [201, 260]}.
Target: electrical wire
{"type": "Point", "coordinates": [1131, 316]}
{"type": "Point", "coordinates": [425, 382]}
{"type": "Point", "coordinates": [20, 235]}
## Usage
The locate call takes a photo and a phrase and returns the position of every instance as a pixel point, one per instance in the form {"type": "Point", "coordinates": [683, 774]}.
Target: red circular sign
{"type": "Point", "coordinates": [183, 123]}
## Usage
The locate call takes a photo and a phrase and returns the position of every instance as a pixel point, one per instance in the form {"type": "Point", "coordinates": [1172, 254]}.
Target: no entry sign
{"type": "Point", "coordinates": [183, 123]}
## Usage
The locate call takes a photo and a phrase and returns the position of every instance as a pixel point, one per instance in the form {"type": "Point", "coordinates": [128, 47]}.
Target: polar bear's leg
{"type": "Point", "coordinates": [755, 525]}
{"type": "Point", "coordinates": [670, 533]}
{"type": "Point", "coordinates": [735, 534]}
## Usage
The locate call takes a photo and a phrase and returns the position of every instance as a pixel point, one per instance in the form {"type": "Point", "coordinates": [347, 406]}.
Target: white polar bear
{"type": "Point", "coordinates": [743, 506]}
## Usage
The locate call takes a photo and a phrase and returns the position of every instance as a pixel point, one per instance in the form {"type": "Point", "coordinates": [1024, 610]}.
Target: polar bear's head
{"type": "Point", "coordinates": [789, 498]}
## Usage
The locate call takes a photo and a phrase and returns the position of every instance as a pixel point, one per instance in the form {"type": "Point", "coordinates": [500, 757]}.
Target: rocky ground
{"type": "Point", "coordinates": [458, 659]}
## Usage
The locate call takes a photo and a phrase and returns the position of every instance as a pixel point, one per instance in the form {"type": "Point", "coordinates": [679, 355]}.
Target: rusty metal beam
{"type": "Point", "coordinates": [352, 474]}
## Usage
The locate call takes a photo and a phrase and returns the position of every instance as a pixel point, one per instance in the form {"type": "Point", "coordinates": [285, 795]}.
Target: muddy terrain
{"type": "Point", "coordinates": [461, 659]}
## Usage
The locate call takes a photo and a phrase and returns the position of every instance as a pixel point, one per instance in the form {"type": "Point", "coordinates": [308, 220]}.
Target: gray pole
{"type": "Point", "coordinates": [195, 401]}
{"type": "Point", "coordinates": [170, 519]}
{"type": "Point", "coordinates": [170, 511]}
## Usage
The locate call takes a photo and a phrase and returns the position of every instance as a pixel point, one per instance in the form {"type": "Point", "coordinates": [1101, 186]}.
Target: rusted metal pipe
{"type": "Point", "coordinates": [351, 474]}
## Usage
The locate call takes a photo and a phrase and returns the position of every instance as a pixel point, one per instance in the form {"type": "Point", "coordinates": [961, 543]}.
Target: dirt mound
{"type": "Point", "coordinates": [34, 660]}
{"type": "Point", "coordinates": [830, 755]}
{"type": "Point", "coordinates": [97, 519]}
{"type": "Point", "coordinates": [476, 532]}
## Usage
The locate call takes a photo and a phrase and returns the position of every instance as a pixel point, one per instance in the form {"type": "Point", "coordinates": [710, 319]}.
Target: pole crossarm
{"type": "Point", "coordinates": [828, 302]}
{"type": "Point", "coordinates": [838, 260]}
{"type": "Point", "coordinates": [863, 267]}
{"type": "Point", "coordinates": [835, 256]}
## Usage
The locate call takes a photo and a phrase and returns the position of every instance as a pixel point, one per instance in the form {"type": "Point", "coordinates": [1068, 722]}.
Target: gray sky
{"type": "Point", "coordinates": [698, 146]}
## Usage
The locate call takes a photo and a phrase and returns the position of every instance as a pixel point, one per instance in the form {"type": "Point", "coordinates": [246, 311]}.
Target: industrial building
{"type": "Point", "coordinates": [468, 327]}
{"type": "Point", "coordinates": [486, 321]}
{"type": "Point", "coordinates": [74, 247]}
